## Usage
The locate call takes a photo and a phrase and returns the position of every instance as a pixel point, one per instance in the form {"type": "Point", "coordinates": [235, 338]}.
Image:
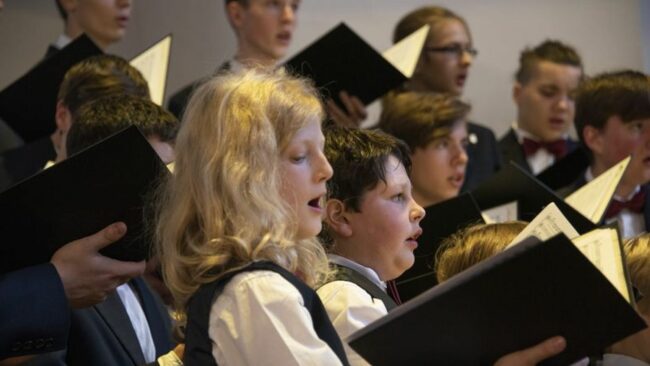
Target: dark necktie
{"type": "Point", "coordinates": [558, 148]}
{"type": "Point", "coordinates": [636, 204]}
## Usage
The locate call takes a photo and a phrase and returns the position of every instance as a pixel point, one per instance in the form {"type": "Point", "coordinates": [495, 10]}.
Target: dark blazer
{"type": "Point", "coordinates": [178, 101]}
{"type": "Point", "coordinates": [102, 335]}
{"type": "Point", "coordinates": [34, 312]}
{"type": "Point", "coordinates": [511, 150]}
{"type": "Point", "coordinates": [483, 156]}
{"type": "Point", "coordinates": [24, 161]}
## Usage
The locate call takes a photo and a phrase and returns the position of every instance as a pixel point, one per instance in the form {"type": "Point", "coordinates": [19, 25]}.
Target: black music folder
{"type": "Point", "coordinates": [79, 196]}
{"type": "Point", "coordinates": [512, 301]}
{"type": "Point", "coordinates": [565, 171]}
{"type": "Point", "coordinates": [28, 104]}
{"type": "Point", "coordinates": [513, 183]}
{"type": "Point", "coordinates": [441, 221]}
{"type": "Point", "coordinates": [341, 60]}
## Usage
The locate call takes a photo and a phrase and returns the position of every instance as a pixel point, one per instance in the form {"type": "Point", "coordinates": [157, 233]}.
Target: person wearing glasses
{"type": "Point", "coordinates": [547, 76]}
{"type": "Point", "coordinates": [443, 67]}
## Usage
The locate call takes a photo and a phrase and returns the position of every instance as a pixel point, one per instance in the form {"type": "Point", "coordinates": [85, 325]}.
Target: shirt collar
{"type": "Point", "coordinates": [369, 273]}
{"type": "Point", "coordinates": [62, 41]}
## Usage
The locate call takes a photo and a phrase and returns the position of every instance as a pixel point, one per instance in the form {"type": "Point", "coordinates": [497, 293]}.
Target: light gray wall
{"type": "Point", "coordinates": [608, 33]}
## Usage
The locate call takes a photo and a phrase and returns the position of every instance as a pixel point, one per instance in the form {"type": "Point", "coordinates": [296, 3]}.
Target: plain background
{"type": "Point", "coordinates": [609, 34]}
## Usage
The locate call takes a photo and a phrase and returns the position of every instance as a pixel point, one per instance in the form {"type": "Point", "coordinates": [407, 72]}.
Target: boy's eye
{"type": "Point", "coordinates": [548, 93]}
{"type": "Point", "coordinates": [398, 197]}
{"type": "Point", "coordinates": [442, 143]}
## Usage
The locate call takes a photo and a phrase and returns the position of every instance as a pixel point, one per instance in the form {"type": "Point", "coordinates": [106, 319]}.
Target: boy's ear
{"type": "Point", "coordinates": [336, 218]}
{"type": "Point", "coordinates": [63, 117]}
{"type": "Point", "coordinates": [593, 139]}
{"type": "Point", "coordinates": [235, 12]}
{"type": "Point", "coordinates": [516, 92]}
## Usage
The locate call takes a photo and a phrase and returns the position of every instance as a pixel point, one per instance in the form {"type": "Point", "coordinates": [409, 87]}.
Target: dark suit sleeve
{"type": "Point", "coordinates": [178, 101]}
{"type": "Point", "coordinates": [483, 156]}
{"type": "Point", "coordinates": [34, 312]}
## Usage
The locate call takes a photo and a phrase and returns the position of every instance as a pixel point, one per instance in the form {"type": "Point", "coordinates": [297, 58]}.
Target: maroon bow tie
{"type": "Point", "coordinates": [636, 204]}
{"type": "Point", "coordinates": [558, 148]}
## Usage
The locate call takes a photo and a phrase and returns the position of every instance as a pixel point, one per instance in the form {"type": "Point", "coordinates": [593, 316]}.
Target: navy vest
{"type": "Point", "coordinates": [198, 347]}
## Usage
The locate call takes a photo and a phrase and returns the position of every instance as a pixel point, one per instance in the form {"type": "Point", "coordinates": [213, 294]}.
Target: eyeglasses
{"type": "Point", "coordinates": [456, 50]}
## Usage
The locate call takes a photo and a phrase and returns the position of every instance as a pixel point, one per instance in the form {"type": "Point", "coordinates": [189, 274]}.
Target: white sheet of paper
{"type": "Point", "coordinates": [593, 198]}
{"type": "Point", "coordinates": [152, 63]}
{"type": "Point", "coordinates": [603, 249]}
{"type": "Point", "coordinates": [547, 224]}
{"type": "Point", "coordinates": [502, 213]}
{"type": "Point", "coordinates": [404, 54]}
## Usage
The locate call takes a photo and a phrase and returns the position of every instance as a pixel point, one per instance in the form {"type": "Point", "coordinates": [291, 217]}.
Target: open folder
{"type": "Point", "coordinates": [342, 60]}
{"type": "Point", "coordinates": [506, 303]}
{"type": "Point", "coordinates": [29, 103]}
{"type": "Point", "coordinates": [153, 63]}
{"type": "Point", "coordinates": [441, 221]}
{"type": "Point", "coordinates": [513, 183]}
{"type": "Point", "coordinates": [79, 196]}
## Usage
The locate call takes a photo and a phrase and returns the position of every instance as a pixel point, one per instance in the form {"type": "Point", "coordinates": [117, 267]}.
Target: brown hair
{"type": "Point", "coordinates": [416, 19]}
{"type": "Point", "coordinates": [637, 255]}
{"type": "Point", "coordinates": [549, 50]}
{"type": "Point", "coordinates": [472, 245]}
{"type": "Point", "coordinates": [100, 76]}
{"type": "Point", "coordinates": [419, 117]}
{"type": "Point", "coordinates": [625, 94]}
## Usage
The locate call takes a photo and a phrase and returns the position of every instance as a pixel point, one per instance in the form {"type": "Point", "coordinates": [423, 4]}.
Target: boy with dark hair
{"type": "Point", "coordinates": [613, 121]}
{"type": "Point", "coordinates": [434, 127]}
{"type": "Point", "coordinates": [103, 117]}
{"type": "Point", "coordinates": [547, 77]}
{"type": "Point", "coordinates": [371, 226]}
{"type": "Point", "coordinates": [263, 29]}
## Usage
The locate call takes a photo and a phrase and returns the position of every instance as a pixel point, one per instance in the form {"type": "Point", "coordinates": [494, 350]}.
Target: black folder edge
{"type": "Point", "coordinates": [335, 98]}
{"type": "Point", "coordinates": [626, 271]}
{"type": "Point", "coordinates": [466, 276]}
{"type": "Point", "coordinates": [171, 45]}
{"type": "Point", "coordinates": [79, 49]}
{"type": "Point", "coordinates": [110, 249]}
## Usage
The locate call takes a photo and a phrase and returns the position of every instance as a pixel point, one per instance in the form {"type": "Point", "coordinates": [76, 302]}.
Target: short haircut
{"type": "Point", "coordinates": [417, 118]}
{"type": "Point", "coordinates": [358, 158]}
{"type": "Point", "coordinates": [106, 116]}
{"type": "Point", "coordinates": [100, 76]}
{"type": "Point", "coordinates": [637, 255]}
{"type": "Point", "coordinates": [62, 12]}
{"type": "Point", "coordinates": [420, 17]}
{"type": "Point", "coordinates": [550, 50]}
{"type": "Point", "coordinates": [625, 94]}
{"type": "Point", "coordinates": [472, 245]}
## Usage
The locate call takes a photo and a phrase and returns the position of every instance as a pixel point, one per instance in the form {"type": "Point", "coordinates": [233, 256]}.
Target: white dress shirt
{"type": "Point", "coordinates": [138, 321]}
{"type": "Point", "coordinates": [350, 307]}
{"type": "Point", "coordinates": [260, 319]}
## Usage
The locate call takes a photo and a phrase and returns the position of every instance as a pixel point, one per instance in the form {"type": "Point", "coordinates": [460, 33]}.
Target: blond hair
{"type": "Point", "coordinates": [637, 255]}
{"type": "Point", "coordinates": [222, 207]}
{"type": "Point", "coordinates": [472, 245]}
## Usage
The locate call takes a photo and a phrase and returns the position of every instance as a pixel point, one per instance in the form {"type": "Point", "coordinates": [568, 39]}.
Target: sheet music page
{"type": "Point", "coordinates": [501, 213]}
{"type": "Point", "coordinates": [593, 198]}
{"type": "Point", "coordinates": [603, 249]}
{"type": "Point", "coordinates": [152, 63]}
{"type": "Point", "coordinates": [547, 224]}
{"type": "Point", "coordinates": [404, 54]}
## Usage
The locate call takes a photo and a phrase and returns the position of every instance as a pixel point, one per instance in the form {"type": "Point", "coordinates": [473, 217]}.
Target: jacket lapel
{"type": "Point", "coordinates": [158, 323]}
{"type": "Point", "coordinates": [114, 314]}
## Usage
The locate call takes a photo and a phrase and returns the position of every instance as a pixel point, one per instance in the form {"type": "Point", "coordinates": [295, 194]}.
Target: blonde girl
{"type": "Point", "coordinates": [237, 224]}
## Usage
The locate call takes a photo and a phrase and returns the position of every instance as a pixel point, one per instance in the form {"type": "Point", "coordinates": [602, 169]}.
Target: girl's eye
{"type": "Point", "coordinates": [298, 159]}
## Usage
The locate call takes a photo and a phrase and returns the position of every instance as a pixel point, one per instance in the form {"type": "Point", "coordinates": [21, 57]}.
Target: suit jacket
{"type": "Point", "coordinates": [103, 335]}
{"type": "Point", "coordinates": [34, 311]}
{"type": "Point", "coordinates": [178, 101]}
{"type": "Point", "coordinates": [511, 150]}
{"type": "Point", "coordinates": [24, 161]}
{"type": "Point", "coordinates": [483, 156]}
